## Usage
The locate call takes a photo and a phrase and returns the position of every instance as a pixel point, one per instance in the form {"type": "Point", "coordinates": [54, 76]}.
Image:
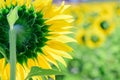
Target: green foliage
{"type": "Point", "coordinates": [37, 71]}
{"type": "Point", "coordinates": [101, 63]}
{"type": "Point", "coordinates": [2, 51]}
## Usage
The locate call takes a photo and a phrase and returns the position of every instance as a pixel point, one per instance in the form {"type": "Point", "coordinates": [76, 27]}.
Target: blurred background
{"type": "Point", "coordinates": [96, 54]}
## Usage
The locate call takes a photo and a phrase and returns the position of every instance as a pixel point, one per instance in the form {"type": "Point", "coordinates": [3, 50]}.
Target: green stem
{"type": "Point", "coordinates": [12, 39]}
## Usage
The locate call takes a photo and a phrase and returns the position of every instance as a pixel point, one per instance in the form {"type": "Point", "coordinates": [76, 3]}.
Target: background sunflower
{"type": "Point", "coordinates": [92, 60]}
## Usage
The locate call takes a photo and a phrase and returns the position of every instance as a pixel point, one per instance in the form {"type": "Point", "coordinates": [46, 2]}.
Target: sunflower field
{"type": "Point", "coordinates": [59, 40]}
{"type": "Point", "coordinates": [96, 54]}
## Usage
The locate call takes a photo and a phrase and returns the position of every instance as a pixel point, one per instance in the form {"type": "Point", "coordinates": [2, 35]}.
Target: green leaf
{"type": "Point", "coordinates": [2, 51]}
{"type": "Point", "coordinates": [62, 67]}
{"type": "Point", "coordinates": [12, 17]}
{"type": "Point", "coordinates": [37, 71]}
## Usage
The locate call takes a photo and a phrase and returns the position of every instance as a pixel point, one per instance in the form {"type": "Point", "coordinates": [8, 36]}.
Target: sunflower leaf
{"type": "Point", "coordinates": [2, 51]}
{"type": "Point", "coordinates": [12, 17]}
{"type": "Point", "coordinates": [37, 71]}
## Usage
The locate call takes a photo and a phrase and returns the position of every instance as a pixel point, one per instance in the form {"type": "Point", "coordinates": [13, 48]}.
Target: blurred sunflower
{"type": "Point", "coordinates": [117, 10]}
{"type": "Point", "coordinates": [106, 10]}
{"type": "Point", "coordinates": [41, 38]}
{"type": "Point", "coordinates": [88, 22]}
{"type": "Point", "coordinates": [77, 14]}
{"type": "Point", "coordinates": [104, 25]}
{"type": "Point", "coordinates": [81, 36]}
{"type": "Point", "coordinates": [94, 38]}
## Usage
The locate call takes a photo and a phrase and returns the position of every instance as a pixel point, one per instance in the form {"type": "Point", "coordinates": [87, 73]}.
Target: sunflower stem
{"type": "Point", "coordinates": [12, 38]}
{"type": "Point", "coordinates": [12, 17]}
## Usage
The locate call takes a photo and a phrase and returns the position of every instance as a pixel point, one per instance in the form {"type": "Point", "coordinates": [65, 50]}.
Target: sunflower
{"type": "Point", "coordinates": [94, 38]}
{"type": "Point", "coordinates": [117, 10]}
{"type": "Point", "coordinates": [107, 10]}
{"type": "Point", "coordinates": [105, 25]}
{"type": "Point", "coordinates": [77, 14]}
{"type": "Point", "coordinates": [81, 36]}
{"type": "Point", "coordinates": [41, 36]}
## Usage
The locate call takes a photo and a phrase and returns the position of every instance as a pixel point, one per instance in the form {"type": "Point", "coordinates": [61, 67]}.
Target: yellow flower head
{"type": "Point", "coordinates": [117, 9]}
{"type": "Point", "coordinates": [77, 14]}
{"type": "Point", "coordinates": [81, 36]}
{"type": "Point", "coordinates": [107, 10]}
{"type": "Point", "coordinates": [105, 25]}
{"type": "Point", "coordinates": [41, 38]}
{"type": "Point", "coordinates": [94, 38]}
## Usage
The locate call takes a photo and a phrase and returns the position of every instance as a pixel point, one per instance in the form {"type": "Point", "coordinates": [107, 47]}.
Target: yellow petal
{"type": "Point", "coordinates": [53, 77]}
{"type": "Point", "coordinates": [64, 32]}
{"type": "Point", "coordinates": [67, 27]}
{"type": "Point", "coordinates": [31, 63]}
{"type": "Point", "coordinates": [47, 6]}
{"type": "Point", "coordinates": [20, 2]}
{"type": "Point", "coordinates": [43, 63]}
{"type": "Point", "coordinates": [2, 61]}
{"type": "Point", "coordinates": [8, 2]}
{"type": "Point", "coordinates": [62, 38]}
{"type": "Point", "coordinates": [6, 72]}
{"type": "Point", "coordinates": [59, 45]}
{"type": "Point", "coordinates": [48, 57]}
{"type": "Point", "coordinates": [66, 18]}
{"type": "Point", "coordinates": [20, 72]}
{"type": "Point", "coordinates": [58, 58]}
{"type": "Point", "coordinates": [14, 2]}
{"type": "Point", "coordinates": [63, 7]}
{"type": "Point", "coordinates": [39, 4]}
{"type": "Point", "coordinates": [28, 3]}
{"type": "Point", "coordinates": [60, 28]}
{"type": "Point", "coordinates": [60, 25]}
{"type": "Point", "coordinates": [59, 52]}
{"type": "Point", "coordinates": [2, 3]}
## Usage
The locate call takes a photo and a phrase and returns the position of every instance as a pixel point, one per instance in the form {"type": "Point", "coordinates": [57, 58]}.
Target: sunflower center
{"type": "Point", "coordinates": [94, 38]}
{"type": "Point", "coordinates": [31, 32]}
{"type": "Point", "coordinates": [83, 38]}
{"type": "Point", "coordinates": [104, 25]}
{"type": "Point", "coordinates": [23, 35]}
{"type": "Point", "coordinates": [87, 25]}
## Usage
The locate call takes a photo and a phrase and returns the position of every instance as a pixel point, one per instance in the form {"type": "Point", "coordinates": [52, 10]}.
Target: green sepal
{"type": "Point", "coordinates": [12, 17]}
